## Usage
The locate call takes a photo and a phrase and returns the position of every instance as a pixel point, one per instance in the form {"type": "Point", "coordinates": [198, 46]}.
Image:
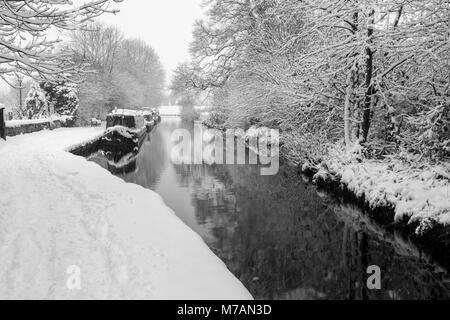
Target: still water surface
{"type": "Point", "coordinates": [280, 235]}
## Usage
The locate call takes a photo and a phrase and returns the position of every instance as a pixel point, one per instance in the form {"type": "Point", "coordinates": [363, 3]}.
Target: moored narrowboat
{"type": "Point", "coordinates": [131, 119]}
{"type": "Point", "coordinates": [126, 129]}
{"type": "Point", "coordinates": [152, 115]}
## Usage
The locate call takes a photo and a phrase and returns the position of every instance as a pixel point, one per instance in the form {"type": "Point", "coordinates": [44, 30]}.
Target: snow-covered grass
{"type": "Point", "coordinates": [416, 190]}
{"type": "Point", "coordinates": [58, 211]}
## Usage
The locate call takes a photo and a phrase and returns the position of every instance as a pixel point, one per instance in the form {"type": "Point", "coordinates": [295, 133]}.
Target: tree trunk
{"type": "Point", "coordinates": [370, 89]}
{"type": "Point", "coordinates": [351, 83]}
{"type": "Point", "coordinates": [347, 106]}
{"type": "Point", "coordinates": [356, 110]}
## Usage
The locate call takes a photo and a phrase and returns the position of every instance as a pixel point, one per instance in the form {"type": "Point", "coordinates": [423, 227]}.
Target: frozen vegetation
{"type": "Point", "coordinates": [416, 190]}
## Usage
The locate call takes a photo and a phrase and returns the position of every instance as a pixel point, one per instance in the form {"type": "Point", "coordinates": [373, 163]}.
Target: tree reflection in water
{"type": "Point", "coordinates": [282, 237]}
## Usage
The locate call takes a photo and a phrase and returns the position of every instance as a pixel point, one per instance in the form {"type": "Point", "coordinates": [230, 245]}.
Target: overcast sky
{"type": "Point", "coordinates": [166, 25]}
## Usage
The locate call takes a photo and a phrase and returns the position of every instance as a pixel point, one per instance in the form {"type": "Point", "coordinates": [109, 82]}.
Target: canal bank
{"type": "Point", "coordinates": [283, 237]}
{"type": "Point", "coordinates": [59, 213]}
{"type": "Point", "coordinates": [405, 195]}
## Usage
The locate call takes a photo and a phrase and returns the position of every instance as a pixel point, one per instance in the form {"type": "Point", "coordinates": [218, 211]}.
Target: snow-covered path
{"type": "Point", "coordinates": [59, 213]}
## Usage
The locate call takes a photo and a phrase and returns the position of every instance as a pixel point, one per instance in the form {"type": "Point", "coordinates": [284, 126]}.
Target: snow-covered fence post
{"type": "Point", "coordinates": [2, 124]}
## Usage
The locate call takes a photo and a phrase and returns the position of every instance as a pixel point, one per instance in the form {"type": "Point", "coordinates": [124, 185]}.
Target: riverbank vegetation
{"type": "Point", "coordinates": [359, 90]}
{"type": "Point", "coordinates": [184, 95]}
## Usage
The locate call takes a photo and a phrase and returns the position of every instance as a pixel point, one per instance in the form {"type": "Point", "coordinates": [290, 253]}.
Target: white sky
{"type": "Point", "coordinates": [166, 25]}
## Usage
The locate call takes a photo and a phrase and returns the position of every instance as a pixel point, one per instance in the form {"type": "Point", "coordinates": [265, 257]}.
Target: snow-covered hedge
{"type": "Point", "coordinates": [17, 127]}
{"type": "Point", "coordinates": [19, 123]}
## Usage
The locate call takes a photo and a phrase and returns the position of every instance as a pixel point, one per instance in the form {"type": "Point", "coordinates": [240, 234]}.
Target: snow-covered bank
{"type": "Point", "coordinates": [58, 211]}
{"type": "Point", "coordinates": [416, 191]}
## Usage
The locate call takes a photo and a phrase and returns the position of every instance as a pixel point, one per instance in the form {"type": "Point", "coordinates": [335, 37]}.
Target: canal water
{"type": "Point", "coordinates": [280, 235]}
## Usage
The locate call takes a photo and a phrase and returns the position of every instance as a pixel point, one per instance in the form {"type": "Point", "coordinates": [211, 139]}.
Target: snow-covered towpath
{"type": "Point", "coordinates": [60, 214]}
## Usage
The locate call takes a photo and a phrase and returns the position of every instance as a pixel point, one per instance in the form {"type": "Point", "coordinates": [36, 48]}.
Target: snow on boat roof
{"type": "Point", "coordinates": [126, 112]}
{"type": "Point", "coordinates": [149, 111]}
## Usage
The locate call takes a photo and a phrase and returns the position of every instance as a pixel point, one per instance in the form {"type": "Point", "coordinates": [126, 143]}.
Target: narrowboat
{"type": "Point", "coordinates": [152, 115]}
{"type": "Point", "coordinates": [125, 130]}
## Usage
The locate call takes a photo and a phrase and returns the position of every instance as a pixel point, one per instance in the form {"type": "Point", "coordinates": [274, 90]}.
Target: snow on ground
{"type": "Point", "coordinates": [58, 211]}
{"type": "Point", "coordinates": [419, 192]}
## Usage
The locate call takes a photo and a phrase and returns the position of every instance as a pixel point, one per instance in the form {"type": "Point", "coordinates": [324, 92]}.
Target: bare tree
{"type": "Point", "coordinates": [96, 45]}
{"type": "Point", "coordinates": [370, 72]}
{"type": "Point", "coordinates": [124, 72]}
{"type": "Point", "coordinates": [24, 27]}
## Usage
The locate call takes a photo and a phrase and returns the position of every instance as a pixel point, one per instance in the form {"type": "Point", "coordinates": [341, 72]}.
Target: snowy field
{"type": "Point", "coordinates": [60, 214]}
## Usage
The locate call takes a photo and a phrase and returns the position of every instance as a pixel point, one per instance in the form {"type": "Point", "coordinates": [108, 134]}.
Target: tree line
{"type": "Point", "coordinates": [95, 62]}
{"type": "Point", "coordinates": [373, 72]}
{"type": "Point", "coordinates": [128, 72]}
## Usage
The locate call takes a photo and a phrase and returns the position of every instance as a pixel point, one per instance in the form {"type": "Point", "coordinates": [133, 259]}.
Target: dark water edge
{"type": "Point", "coordinates": [434, 244]}
{"type": "Point", "coordinates": [284, 237]}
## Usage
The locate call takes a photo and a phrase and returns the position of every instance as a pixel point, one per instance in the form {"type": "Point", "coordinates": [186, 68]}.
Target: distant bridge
{"type": "Point", "coordinates": [176, 110]}
{"type": "Point", "coordinates": [170, 110]}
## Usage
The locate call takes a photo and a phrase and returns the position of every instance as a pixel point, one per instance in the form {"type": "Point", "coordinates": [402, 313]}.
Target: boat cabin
{"type": "Point", "coordinates": [131, 119]}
